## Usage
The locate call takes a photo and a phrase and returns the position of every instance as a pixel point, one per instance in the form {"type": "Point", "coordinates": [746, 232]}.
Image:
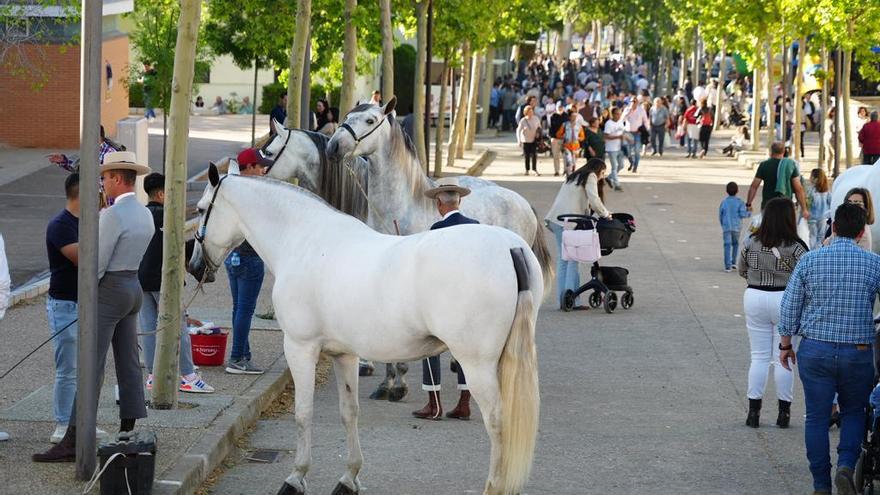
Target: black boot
{"type": "Point", "coordinates": [784, 417]}
{"type": "Point", "coordinates": [63, 451]}
{"type": "Point", "coordinates": [754, 416]}
{"type": "Point", "coordinates": [126, 424]}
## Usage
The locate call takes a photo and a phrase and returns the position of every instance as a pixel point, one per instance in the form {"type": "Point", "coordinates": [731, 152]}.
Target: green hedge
{"type": "Point", "coordinates": [404, 75]}
{"type": "Point", "coordinates": [136, 94]}
{"type": "Point", "coordinates": [271, 93]}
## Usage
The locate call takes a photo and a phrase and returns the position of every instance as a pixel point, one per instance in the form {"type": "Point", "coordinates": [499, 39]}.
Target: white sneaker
{"type": "Point", "coordinates": [61, 429]}
{"type": "Point", "coordinates": [195, 386]}
{"type": "Point", "coordinates": [4, 436]}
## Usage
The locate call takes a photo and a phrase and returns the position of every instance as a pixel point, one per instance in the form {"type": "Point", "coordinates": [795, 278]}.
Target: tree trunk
{"type": "Point", "coordinates": [471, 125]}
{"type": "Point", "coordinates": [823, 102]}
{"type": "Point", "coordinates": [297, 63]}
{"type": "Point", "coordinates": [419, 81]}
{"type": "Point", "coordinates": [254, 104]}
{"type": "Point", "coordinates": [387, 50]}
{"type": "Point", "coordinates": [349, 58]}
{"type": "Point", "coordinates": [847, 117]}
{"type": "Point", "coordinates": [796, 100]}
{"type": "Point", "coordinates": [563, 45]}
{"type": "Point", "coordinates": [695, 68]}
{"type": "Point", "coordinates": [457, 130]}
{"type": "Point", "coordinates": [722, 78]}
{"type": "Point", "coordinates": [771, 110]}
{"type": "Point", "coordinates": [440, 138]}
{"type": "Point", "coordinates": [167, 375]}
{"type": "Point", "coordinates": [756, 105]}
{"type": "Point", "coordinates": [785, 88]}
{"type": "Point", "coordinates": [598, 39]}
{"type": "Point", "coordinates": [486, 88]}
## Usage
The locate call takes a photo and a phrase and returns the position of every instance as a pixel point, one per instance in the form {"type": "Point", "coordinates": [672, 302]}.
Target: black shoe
{"type": "Point", "coordinates": [843, 480]}
{"type": "Point", "coordinates": [784, 417]}
{"type": "Point", "coordinates": [754, 417]}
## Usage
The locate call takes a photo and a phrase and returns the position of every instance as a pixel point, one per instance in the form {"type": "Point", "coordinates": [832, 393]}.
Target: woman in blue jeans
{"type": "Point", "coordinates": [245, 270]}
{"type": "Point", "coordinates": [581, 193]}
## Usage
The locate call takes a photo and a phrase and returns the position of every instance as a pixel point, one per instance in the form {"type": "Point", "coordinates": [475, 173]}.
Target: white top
{"type": "Point", "coordinates": [449, 214]}
{"type": "Point", "coordinates": [613, 129]}
{"type": "Point", "coordinates": [642, 84]}
{"type": "Point", "coordinates": [636, 118]}
{"type": "Point", "coordinates": [5, 281]}
{"type": "Point", "coordinates": [573, 199]}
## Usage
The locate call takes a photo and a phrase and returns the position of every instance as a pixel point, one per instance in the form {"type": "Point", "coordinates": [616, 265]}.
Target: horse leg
{"type": "Point", "coordinates": [346, 368]}
{"type": "Point", "coordinates": [382, 391]}
{"type": "Point", "coordinates": [399, 389]}
{"type": "Point", "coordinates": [302, 361]}
{"type": "Point", "coordinates": [483, 383]}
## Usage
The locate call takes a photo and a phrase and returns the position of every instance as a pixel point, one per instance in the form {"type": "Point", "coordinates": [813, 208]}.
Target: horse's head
{"type": "Point", "coordinates": [362, 131]}
{"type": "Point", "coordinates": [290, 158]}
{"type": "Point", "coordinates": [216, 235]}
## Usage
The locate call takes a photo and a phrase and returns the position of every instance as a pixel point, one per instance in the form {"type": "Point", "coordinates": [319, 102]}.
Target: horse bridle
{"type": "Point", "coordinates": [264, 150]}
{"type": "Point", "coordinates": [357, 140]}
{"type": "Point", "coordinates": [200, 234]}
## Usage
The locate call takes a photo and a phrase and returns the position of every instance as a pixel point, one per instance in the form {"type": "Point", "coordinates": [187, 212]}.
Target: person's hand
{"type": "Point", "coordinates": [805, 213]}
{"type": "Point", "coordinates": [785, 357]}
{"type": "Point", "coordinates": [57, 158]}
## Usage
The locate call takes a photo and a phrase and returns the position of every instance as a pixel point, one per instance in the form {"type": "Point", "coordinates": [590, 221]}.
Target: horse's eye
{"type": "Point", "coordinates": [371, 121]}
{"type": "Point", "coordinates": [201, 211]}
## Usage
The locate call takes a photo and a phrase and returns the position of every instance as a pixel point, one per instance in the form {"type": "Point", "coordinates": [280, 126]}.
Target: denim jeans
{"type": "Point", "coordinates": [691, 145]}
{"type": "Point", "coordinates": [615, 163]}
{"type": "Point", "coordinates": [731, 248]}
{"type": "Point", "coordinates": [61, 313]}
{"type": "Point", "coordinates": [147, 318]}
{"type": "Point", "coordinates": [431, 375]}
{"type": "Point", "coordinates": [245, 281]}
{"type": "Point", "coordinates": [567, 275]}
{"type": "Point", "coordinates": [658, 134]}
{"type": "Point", "coordinates": [827, 368]}
{"type": "Point", "coordinates": [635, 150]}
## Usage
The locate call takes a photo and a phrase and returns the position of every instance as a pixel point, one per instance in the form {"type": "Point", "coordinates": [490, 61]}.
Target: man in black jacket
{"type": "Point", "coordinates": [150, 276]}
{"type": "Point", "coordinates": [557, 120]}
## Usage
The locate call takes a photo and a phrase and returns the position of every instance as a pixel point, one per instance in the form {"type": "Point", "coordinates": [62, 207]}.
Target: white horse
{"type": "Point", "coordinates": [867, 176]}
{"type": "Point", "coordinates": [474, 290]}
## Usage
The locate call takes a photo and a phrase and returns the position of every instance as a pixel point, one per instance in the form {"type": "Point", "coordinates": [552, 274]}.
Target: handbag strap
{"type": "Point", "coordinates": [782, 260]}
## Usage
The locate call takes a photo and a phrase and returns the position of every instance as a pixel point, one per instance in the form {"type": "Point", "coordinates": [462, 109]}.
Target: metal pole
{"type": "Point", "coordinates": [306, 114]}
{"type": "Point", "coordinates": [87, 346]}
{"type": "Point", "coordinates": [428, 58]}
{"type": "Point", "coordinates": [838, 107]}
{"type": "Point", "coordinates": [254, 103]}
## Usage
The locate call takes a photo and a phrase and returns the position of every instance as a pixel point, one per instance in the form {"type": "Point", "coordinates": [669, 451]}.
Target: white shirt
{"type": "Point", "coordinates": [123, 195]}
{"type": "Point", "coordinates": [642, 84]}
{"type": "Point", "coordinates": [449, 214]}
{"type": "Point", "coordinates": [613, 129]}
{"type": "Point", "coordinates": [5, 280]}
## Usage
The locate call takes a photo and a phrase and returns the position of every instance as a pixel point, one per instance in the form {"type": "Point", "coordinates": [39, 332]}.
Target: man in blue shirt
{"type": "Point", "coordinates": [828, 302]}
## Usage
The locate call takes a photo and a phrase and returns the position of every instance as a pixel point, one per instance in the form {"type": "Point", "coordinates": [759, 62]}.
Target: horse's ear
{"type": "Point", "coordinates": [213, 175]}
{"type": "Point", "coordinates": [278, 126]}
{"type": "Point", "coordinates": [389, 107]}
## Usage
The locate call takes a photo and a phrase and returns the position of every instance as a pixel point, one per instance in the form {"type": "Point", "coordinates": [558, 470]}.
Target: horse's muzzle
{"type": "Point", "coordinates": [198, 269]}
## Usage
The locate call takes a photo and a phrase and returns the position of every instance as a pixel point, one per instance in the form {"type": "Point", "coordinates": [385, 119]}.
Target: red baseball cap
{"type": "Point", "coordinates": [252, 156]}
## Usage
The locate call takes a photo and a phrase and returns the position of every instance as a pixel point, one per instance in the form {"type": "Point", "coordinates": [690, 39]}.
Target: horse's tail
{"type": "Point", "coordinates": [520, 402]}
{"type": "Point", "coordinates": [539, 247]}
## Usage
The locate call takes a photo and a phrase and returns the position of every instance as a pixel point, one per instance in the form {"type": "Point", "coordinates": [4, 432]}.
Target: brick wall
{"type": "Point", "coordinates": [48, 117]}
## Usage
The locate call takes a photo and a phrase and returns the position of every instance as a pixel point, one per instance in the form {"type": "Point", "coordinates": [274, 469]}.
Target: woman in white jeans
{"type": "Point", "coordinates": [766, 261]}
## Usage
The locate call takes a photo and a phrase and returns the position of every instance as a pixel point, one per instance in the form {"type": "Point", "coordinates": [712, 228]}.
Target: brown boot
{"type": "Point", "coordinates": [463, 409]}
{"type": "Point", "coordinates": [433, 409]}
{"type": "Point", "coordinates": [63, 451]}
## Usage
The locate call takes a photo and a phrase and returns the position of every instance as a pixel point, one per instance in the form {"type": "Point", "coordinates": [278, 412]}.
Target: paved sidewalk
{"type": "Point", "coordinates": [646, 400]}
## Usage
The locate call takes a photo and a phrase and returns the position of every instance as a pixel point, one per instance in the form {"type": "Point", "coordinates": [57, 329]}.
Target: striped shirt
{"type": "Point", "coordinates": [761, 267]}
{"type": "Point", "coordinates": [831, 295]}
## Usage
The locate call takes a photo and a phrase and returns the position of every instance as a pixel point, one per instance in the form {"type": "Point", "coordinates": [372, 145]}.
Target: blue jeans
{"type": "Point", "coordinates": [635, 150]}
{"type": "Point", "coordinates": [615, 163]}
{"type": "Point", "coordinates": [245, 281]}
{"type": "Point", "coordinates": [61, 313]}
{"type": "Point", "coordinates": [149, 113]}
{"type": "Point", "coordinates": [147, 318]}
{"type": "Point", "coordinates": [567, 275]}
{"type": "Point", "coordinates": [827, 368]}
{"type": "Point", "coordinates": [731, 248]}
{"type": "Point", "coordinates": [692, 145]}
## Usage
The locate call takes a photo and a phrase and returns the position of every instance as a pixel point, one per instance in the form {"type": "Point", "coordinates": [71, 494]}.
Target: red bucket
{"type": "Point", "coordinates": [208, 350]}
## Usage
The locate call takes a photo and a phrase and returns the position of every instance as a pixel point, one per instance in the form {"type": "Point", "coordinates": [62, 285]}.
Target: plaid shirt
{"type": "Point", "coordinates": [830, 296]}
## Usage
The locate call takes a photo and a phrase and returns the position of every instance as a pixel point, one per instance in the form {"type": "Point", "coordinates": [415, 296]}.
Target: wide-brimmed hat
{"type": "Point", "coordinates": [447, 184]}
{"type": "Point", "coordinates": [123, 160]}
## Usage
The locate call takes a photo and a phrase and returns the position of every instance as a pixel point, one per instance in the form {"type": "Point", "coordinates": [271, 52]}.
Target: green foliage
{"type": "Point", "coordinates": [136, 94]}
{"type": "Point", "coordinates": [251, 30]}
{"type": "Point", "coordinates": [404, 75]}
{"type": "Point", "coordinates": [271, 93]}
{"type": "Point", "coordinates": [19, 33]}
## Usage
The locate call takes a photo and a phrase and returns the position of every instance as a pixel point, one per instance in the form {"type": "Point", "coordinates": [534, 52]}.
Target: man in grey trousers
{"type": "Point", "coordinates": [125, 230]}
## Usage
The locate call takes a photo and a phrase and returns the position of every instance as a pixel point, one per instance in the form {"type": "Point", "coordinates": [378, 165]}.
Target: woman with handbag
{"type": "Point", "coordinates": [766, 261]}
{"type": "Point", "coordinates": [689, 120]}
{"type": "Point", "coordinates": [581, 193]}
{"type": "Point", "coordinates": [706, 120]}
{"type": "Point", "coordinates": [526, 134]}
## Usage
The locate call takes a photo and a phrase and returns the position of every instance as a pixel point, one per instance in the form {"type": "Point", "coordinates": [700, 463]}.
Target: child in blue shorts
{"type": "Point", "coordinates": [730, 214]}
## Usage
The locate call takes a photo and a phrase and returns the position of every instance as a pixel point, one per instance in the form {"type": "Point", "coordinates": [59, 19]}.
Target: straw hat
{"type": "Point", "coordinates": [123, 160]}
{"type": "Point", "coordinates": [447, 184]}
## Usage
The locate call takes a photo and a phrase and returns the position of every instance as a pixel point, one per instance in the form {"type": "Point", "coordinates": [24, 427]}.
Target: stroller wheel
{"type": "Point", "coordinates": [568, 300]}
{"type": "Point", "coordinates": [595, 299]}
{"type": "Point", "coordinates": [610, 302]}
{"type": "Point", "coordinates": [627, 300]}
{"type": "Point", "coordinates": [859, 475]}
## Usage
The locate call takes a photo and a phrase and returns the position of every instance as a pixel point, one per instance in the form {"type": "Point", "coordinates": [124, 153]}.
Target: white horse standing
{"type": "Point", "coordinates": [867, 176]}
{"type": "Point", "coordinates": [419, 295]}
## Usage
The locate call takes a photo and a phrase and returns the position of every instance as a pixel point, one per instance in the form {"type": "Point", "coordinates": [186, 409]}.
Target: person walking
{"type": "Point", "coordinates": [613, 135]}
{"type": "Point", "coordinates": [150, 76]}
{"type": "Point", "coordinates": [246, 271]}
{"type": "Point", "coordinates": [767, 260]}
{"type": "Point", "coordinates": [5, 299]}
{"type": "Point", "coordinates": [526, 134]}
{"type": "Point", "coordinates": [833, 315]}
{"type": "Point", "coordinates": [690, 119]}
{"type": "Point", "coordinates": [770, 172]}
{"type": "Point", "coordinates": [278, 113]}
{"type": "Point", "coordinates": [582, 192]}
{"type": "Point", "coordinates": [557, 121]}
{"type": "Point", "coordinates": [869, 139]}
{"type": "Point", "coordinates": [447, 195]}
{"type": "Point", "coordinates": [595, 140]}
{"type": "Point", "coordinates": [636, 121]}
{"type": "Point", "coordinates": [659, 121]}
{"type": "Point", "coordinates": [508, 107]}
{"type": "Point", "coordinates": [572, 134]}
{"type": "Point", "coordinates": [706, 121]}
{"type": "Point", "coordinates": [150, 277]}
{"type": "Point", "coordinates": [819, 199]}
{"type": "Point", "coordinates": [125, 230]}
{"type": "Point", "coordinates": [730, 215]}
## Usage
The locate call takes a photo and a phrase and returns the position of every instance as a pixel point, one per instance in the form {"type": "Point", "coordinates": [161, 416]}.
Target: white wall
{"type": "Point", "coordinates": [227, 78]}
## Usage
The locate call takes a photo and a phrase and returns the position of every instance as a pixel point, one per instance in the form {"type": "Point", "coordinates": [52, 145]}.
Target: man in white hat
{"type": "Point", "coordinates": [125, 230]}
{"type": "Point", "coordinates": [447, 197]}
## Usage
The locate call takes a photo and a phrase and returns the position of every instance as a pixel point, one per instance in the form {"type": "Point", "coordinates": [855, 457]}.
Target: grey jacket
{"type": "Point", "coordinates": [125, 230]}
{"type": "Point", "coordinates": [763, 269]}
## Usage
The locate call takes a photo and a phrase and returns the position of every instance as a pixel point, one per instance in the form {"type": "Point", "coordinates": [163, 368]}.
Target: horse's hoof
{"type": "Point", "coordinates": [287, 489]}
{"type": "Point", "coordinates": [343, 490]}
{"type": "Point", "coordinates": [396, 394]}
{"type": "Point", "coordinates": [380, 393]}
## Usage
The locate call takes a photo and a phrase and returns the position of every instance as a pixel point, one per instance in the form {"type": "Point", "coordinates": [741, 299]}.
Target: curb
{"type": "Point", "coordinates": [194, 466]}
{"type": "Point", "coordinates": [30, 291]}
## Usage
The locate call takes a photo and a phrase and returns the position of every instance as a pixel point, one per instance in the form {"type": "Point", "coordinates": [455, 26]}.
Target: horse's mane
{"type": "Point", "coordinates": [403, 153]}
{"type": "Point", "coordinates": [337, 184]}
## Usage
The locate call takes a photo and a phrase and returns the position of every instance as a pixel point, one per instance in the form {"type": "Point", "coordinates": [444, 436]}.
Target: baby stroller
{"type": "Point", "coordinates": [606, 281]}
{"type": "Point", "coordinates": [867, 470]}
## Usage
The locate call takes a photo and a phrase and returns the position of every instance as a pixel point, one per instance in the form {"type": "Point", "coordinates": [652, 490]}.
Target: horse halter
{"type": "Point", "coordinates": [357, 140]}
{"type": "Point", "coordinates": [264, 150]}
{"type": "Point", "coordinates": [200, 234]}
